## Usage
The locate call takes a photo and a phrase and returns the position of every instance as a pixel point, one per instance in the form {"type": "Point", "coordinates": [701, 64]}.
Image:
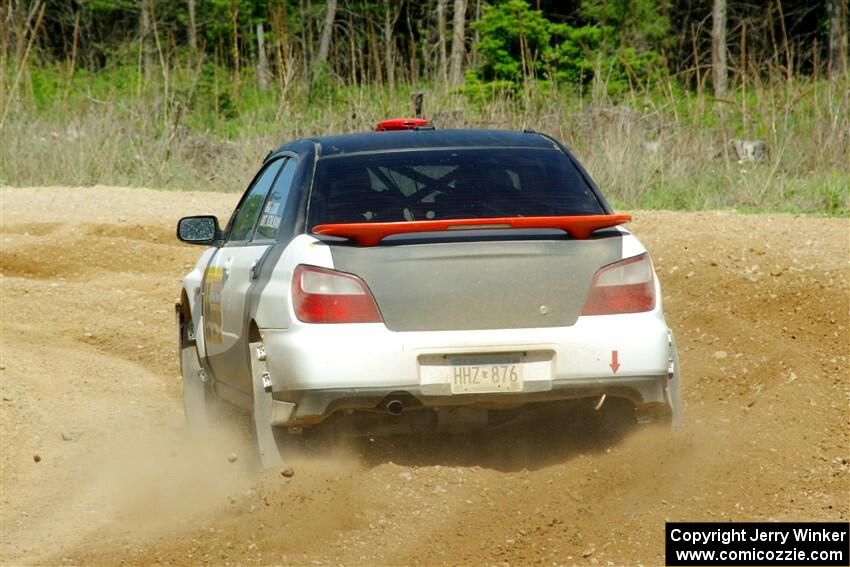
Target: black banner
{"type": "Point", "coordinates": [757, 543]}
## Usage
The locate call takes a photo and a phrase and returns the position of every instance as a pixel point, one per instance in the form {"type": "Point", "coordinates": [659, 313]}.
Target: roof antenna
{"type": "Point", "coordinates": [417, 98]}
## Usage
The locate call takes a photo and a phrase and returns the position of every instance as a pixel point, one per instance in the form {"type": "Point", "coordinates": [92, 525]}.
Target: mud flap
{"type": "Point", "coordinates": [674, 386]}
{"type": "Point", "coordinates": [263, 411]}
{"type": "Point", "coordinates": [196, 392]}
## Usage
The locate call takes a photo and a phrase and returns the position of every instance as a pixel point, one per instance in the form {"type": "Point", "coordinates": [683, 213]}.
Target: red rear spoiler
{"type": "Point", "coordinates": [370, 233]}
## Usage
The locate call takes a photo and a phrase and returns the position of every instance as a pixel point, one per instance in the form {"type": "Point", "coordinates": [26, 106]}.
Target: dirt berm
{"type": "Point", "coordinates": [96, 468]}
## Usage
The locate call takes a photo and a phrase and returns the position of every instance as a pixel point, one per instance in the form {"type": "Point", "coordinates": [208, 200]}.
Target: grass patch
{"type": "Point", "coordinates": [669, 148]}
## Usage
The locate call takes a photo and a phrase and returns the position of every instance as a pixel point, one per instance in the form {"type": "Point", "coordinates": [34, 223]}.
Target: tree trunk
{"type": "Point", "coordinates": [281, 47]}
{"type": "Point", "coordinates": [305, 41]}
{"type": "Point", "coordinates": [327, 31]}
{"type": "Point", "coordinates": [352, 50]}
{"type": "Point", "coordinates": [373, 53]}
{"type": "Point", "coordinates": [414, 63]}
{"type": "Point", "coordinates": [389, 23]}
{"type": "Point", "coordinates": [477, 37]}
{"type": "Point", "coordinates": [193, 34]}
{"type": "Point", "coordinates": [146, 36]}
{"type": "Point", "coordinates": [441, 41]}
{"type": "Point", "coordinates": [262, 61]}
{"type": "Point", "coordinates": [458, 43]}
{"type": "Point", "coordinates": [234, 19]}
{"type": "Point", "coordinates": [837, 37]}
{"type": "Point", "coordinates": [718, 47]}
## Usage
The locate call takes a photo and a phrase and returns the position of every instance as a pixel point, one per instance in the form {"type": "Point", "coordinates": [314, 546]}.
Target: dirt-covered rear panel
{"type": "Point", "coordinates": [490, 284]}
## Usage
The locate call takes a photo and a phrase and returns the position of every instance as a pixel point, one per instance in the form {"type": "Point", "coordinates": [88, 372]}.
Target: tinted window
{"type": "Point", "coordinates": [272, 213]}
{"type": "Point", "coordinates": [249, 208]}
{"type": "Point", "coordinates": [448, 184]}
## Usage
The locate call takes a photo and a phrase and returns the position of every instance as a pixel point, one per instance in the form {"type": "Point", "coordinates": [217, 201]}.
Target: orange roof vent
{"type": "Point", "coordinates": [400, 124]}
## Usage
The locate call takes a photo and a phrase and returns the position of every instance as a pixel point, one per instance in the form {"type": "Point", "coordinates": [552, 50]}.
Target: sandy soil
{"type": "Point", "coordinates": [96, 467]}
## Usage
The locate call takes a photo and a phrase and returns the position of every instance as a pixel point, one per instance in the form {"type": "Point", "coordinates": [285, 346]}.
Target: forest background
{"type": "Point", "coordinates": [677, 104]}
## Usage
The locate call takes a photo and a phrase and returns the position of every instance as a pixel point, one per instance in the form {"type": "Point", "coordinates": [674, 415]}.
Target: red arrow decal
{"type": "Point", "coordinates": [615, 365]}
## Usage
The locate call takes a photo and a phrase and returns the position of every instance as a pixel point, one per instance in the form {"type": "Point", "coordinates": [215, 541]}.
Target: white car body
{"type": "Point", "coordinates": [307, 372]}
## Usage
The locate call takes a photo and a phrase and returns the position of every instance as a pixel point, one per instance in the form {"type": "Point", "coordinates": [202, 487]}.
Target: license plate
{"type": "Point", "coordinates": [501, 376]}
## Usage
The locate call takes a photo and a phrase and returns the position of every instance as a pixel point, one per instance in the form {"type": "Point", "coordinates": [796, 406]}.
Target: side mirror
{"type": "Point", "coordinates": [201, 229]}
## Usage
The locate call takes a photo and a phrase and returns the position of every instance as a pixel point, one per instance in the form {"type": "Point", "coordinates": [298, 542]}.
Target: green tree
{"type": "Point", "coordinates": [515, 42]}
{"type": "Point", "coordinates": [615, 41]}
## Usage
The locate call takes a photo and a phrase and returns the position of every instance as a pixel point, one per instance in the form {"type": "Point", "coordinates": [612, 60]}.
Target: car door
{"type": "Point", "coordinates": [253, 232]}
{"type": "Point", "coordinates": [219, 301]}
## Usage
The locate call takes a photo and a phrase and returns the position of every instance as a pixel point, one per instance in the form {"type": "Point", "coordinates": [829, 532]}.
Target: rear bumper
{"type": "Point", "coordinates": [648, 394]}
{"type": "Point", "coordinates": [325, 368]}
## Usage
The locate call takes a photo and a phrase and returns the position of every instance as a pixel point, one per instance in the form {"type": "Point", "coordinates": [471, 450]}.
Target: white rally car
{"type": "Point", "coordinates": [416, 278]}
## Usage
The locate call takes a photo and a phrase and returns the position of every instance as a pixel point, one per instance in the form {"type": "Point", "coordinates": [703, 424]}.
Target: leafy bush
{"type": "Point", "coordinates": [519, 44]}
{"type": "Point", "coordinates": [515, 42]}
{"type": "Point", "coordinates": [482, 92]}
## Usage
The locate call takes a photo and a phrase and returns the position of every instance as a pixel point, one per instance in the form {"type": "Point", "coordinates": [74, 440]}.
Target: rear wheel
{"type": "Point", "coordinates": [266, 435]}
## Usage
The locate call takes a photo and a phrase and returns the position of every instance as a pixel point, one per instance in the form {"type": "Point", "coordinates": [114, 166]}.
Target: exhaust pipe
{"type": "Point", "coordinates": [601, 401]}
{"type": "Point", "coordinates": [395, 407]}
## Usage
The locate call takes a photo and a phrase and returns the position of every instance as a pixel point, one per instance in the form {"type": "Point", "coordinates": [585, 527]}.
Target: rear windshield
{"type": "Point", "coordinates": [448, 184]}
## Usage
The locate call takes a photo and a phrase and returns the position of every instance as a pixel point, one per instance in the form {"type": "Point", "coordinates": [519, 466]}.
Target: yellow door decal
{"type": "Point", "coordinates": [213, 278]}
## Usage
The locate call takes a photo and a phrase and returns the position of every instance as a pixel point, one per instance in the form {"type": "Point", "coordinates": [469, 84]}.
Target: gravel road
{"type": "Point", "coordinates": [97, 469]}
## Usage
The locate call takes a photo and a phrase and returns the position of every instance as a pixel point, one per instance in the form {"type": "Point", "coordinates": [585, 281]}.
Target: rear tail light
{"type": "Point", "coordinates": [624, 287]}
{"type": "Point", "coordinates": [320, 295]}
